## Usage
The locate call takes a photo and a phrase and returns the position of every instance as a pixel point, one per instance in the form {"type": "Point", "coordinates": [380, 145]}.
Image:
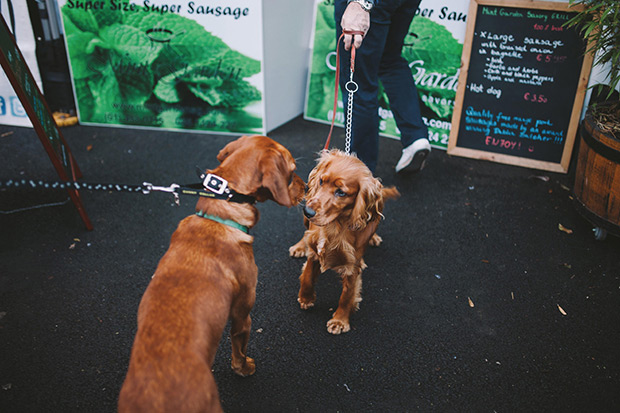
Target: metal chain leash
{"type": "Point", "coordinates": [351, 87]}
{"type": "Point", "coordinates": [145, 188]}
{"type": "Point", "coordinates": [70, 185]}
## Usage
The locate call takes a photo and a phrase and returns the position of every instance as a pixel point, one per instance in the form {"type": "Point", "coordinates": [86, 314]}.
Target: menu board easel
{"type": "Point", "coordinates": [522, 84]}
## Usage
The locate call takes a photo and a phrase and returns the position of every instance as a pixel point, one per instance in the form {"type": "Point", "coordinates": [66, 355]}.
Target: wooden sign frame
{"type": "Point", "coordinates": [571, 133]}
{"type": "Point", "coordinates": [31, 98]}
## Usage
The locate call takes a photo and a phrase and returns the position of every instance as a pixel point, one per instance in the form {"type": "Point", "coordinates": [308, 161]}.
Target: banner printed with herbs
{"type": "Point", "coordinates": [173, 64]}
{"type": "Point", "coordinates": [433, 49]}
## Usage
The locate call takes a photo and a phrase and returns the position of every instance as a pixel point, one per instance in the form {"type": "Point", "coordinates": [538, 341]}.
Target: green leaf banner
{"type": "Point", "coordinates": [166, 64]}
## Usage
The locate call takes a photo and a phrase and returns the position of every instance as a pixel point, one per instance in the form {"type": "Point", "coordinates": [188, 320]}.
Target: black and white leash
{"type": "Point", "coordinates": [212, 186]}
{"type": "Point", "coordinates": [32, 183]}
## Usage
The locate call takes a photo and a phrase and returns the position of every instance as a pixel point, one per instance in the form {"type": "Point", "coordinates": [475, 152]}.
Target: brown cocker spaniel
{"type": "Point", "coordinates": [207, 276]}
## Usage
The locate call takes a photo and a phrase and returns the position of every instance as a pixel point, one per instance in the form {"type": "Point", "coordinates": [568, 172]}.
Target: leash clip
{"type": "Point", "coordinates": [148, 188]}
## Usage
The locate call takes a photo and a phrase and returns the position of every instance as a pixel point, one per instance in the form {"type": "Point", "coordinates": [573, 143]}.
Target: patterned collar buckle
{"type": "Point", "coordinates": [215, 184]}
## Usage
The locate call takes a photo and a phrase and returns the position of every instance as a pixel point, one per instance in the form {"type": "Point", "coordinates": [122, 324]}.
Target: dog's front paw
{"type": "Point", "coordinates": [298, 250]}
{"type": "Point", "coordinates": [336, 326]}
{"type": "Point", "coordinates": [246, 369]}
{"type": "Point", "coordinates": [375, 240]}
{"type": "Point", "coordinates": [305, 303]}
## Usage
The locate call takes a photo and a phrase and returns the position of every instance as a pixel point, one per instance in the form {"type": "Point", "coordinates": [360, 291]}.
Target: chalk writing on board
{"type": "Point", "coordinates": [511, 130]}
{"type": "Point", "coordinates": [523, 74]}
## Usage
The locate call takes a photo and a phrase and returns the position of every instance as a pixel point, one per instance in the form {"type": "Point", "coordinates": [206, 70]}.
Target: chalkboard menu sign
{"type": "Point", "coordinates": [38, 111]}
{"type": "Point", "coordinates": [523, 79]}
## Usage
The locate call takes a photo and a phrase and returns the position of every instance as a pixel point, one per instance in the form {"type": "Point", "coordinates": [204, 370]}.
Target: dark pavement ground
{"type": "Point", "coordinates": [461, 307]}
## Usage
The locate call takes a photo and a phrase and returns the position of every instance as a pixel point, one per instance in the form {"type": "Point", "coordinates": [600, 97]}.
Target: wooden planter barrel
{"type": "Point", "coordinates": [597, 179]}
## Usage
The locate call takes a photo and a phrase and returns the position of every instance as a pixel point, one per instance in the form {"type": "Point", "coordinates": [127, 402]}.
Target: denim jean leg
{"type": "Point", "coordinates": [397, 79]}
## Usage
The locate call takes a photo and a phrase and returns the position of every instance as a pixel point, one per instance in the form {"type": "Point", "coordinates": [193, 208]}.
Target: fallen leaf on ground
{"type": "Point", "coordinates": [561, 310]}
{"type": "Point", "coordinates": [564, 229]}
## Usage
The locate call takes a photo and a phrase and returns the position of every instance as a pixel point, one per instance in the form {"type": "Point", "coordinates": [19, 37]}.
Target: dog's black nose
{"type": "Point", "coordinates": [309, 212]}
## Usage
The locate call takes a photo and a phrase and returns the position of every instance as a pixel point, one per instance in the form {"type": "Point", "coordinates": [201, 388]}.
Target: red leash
{"type": "Point", "coordinates": [352, 32]}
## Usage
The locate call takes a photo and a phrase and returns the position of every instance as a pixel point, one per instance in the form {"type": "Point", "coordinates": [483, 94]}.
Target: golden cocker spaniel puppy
{"type": "Point", "coordinates": [344, 205]}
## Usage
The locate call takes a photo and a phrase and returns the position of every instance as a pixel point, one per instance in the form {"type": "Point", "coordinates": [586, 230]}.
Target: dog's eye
{"type": "Point", "coordinates": [340, 193]}
{"type": "Point", "coordinates": [320, 182]}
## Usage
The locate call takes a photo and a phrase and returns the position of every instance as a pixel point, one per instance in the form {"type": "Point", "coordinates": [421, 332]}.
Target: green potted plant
{"type": "Point", "coordinates": [597, 176]}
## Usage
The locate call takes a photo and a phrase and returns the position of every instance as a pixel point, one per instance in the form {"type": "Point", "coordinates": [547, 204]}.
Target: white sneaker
{"type": "Point", "coordinates": [414, 156]}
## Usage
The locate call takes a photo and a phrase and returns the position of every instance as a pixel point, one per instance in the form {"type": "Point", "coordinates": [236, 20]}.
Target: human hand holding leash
{"type": "Point", "coordinates": [355, 19]}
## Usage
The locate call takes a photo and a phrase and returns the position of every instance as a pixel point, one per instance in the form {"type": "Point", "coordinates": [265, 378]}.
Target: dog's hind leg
{"type": "Point", "coordinates": [240, 327]}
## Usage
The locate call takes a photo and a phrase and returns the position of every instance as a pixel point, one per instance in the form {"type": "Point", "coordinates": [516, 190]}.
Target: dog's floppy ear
{"type": "Point", "coordinates": [279, 180]}
{"type": "Point", "coordinates": [322, 163]}
{"type": "Point", "coordinates": [368, 203]}
{"type": "Point", "coordinates": [231, 147]}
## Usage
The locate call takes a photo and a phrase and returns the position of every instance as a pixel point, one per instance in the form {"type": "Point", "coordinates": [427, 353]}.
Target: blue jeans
{"type": "Point", "coordinates": [379, 58]}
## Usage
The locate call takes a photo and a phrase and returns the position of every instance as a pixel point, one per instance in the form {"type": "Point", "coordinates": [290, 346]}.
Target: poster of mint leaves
{"type": "Point", "coordinates": [433, 49]}
{"type": "Point", "coordinates": [157, 63]}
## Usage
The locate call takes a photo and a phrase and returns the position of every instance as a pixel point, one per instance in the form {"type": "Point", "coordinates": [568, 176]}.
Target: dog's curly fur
{"type": "Point", "coordinates": [345, 203]}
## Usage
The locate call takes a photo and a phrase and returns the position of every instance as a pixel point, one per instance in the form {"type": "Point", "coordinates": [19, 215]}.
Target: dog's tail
{"type": "Point", "coordinates": [390, 192]}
